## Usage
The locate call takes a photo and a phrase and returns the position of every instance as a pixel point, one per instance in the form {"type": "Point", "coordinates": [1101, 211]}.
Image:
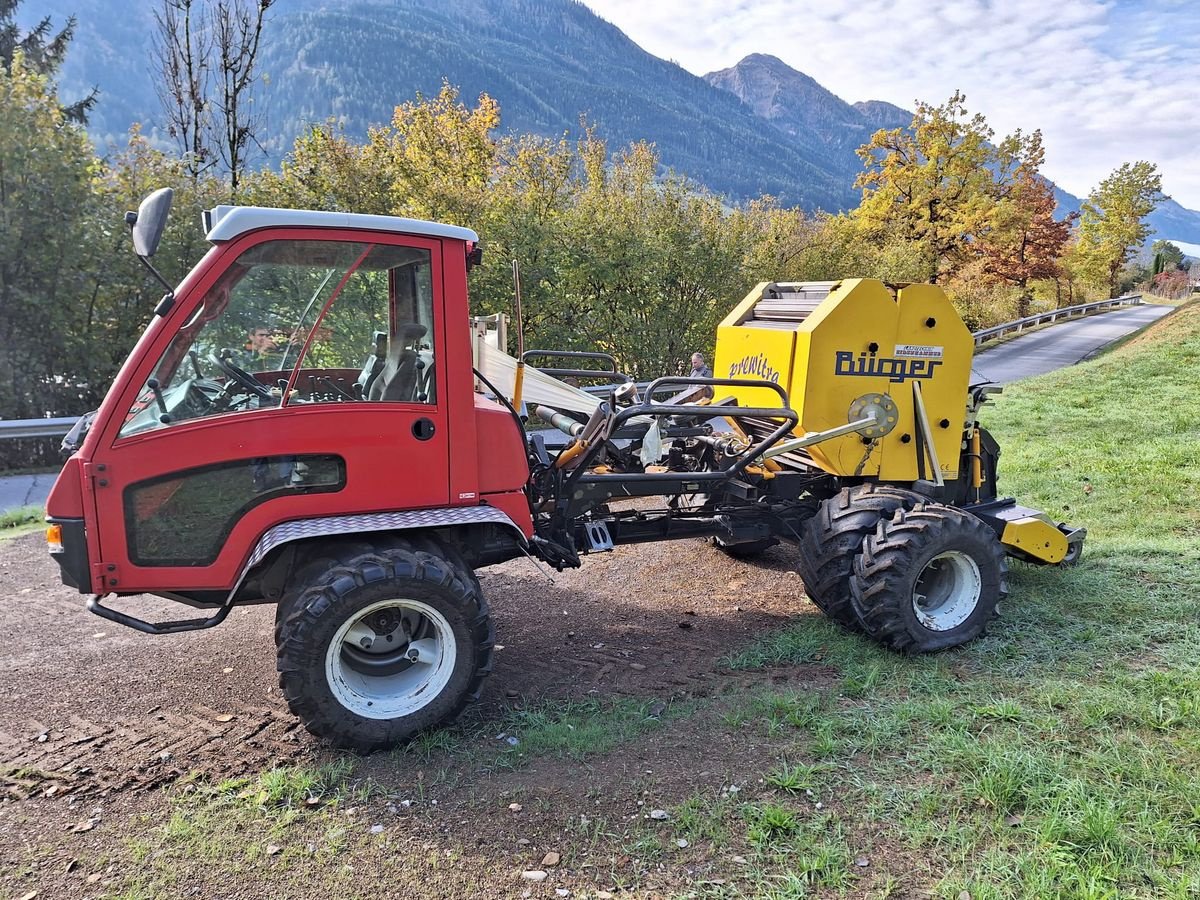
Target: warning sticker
{"type": "Point", "coordinates": [919, 351]}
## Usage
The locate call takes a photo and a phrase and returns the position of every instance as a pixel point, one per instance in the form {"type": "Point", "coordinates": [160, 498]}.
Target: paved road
{"type": "Point", "coordinates": [24, 490]}
{"type": "Point", "coordinates": [1063, 344]}
{"type": "Point", "coordinates": [1032, 354]}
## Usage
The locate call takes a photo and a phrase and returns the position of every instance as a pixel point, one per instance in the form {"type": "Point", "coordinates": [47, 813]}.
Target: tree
{"type": "Point", "coordinates": [1022, 241]}
{"type": "Point", "coordinates": [1166, 256]}
{"type": "Point", "coordinates": [183, 45]}
{"type": "Point", "coordinates": [238, 26]}
{"type": "Point", "coordinates": [1113, 226]}
{"type": "Point", "coordinates": [118, 298]}
{"type": "Point", "coordinates": [207, 59]}
{"type": "Point", "coordinates": [46, 165]}
{"type": "Point", "coordinates": [41, 51]}
{"type": "Point", "coordinates": [931, 182]}
{"type": "Point", "coordinates": [612, 255]}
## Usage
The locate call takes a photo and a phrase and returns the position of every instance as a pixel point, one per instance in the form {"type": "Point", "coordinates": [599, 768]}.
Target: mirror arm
{"type": "Point", "coordinates": [168, 300]}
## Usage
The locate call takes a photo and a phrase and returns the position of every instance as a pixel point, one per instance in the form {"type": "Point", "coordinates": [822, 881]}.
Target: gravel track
{"type": "Point", "coordinates": [95, 708]}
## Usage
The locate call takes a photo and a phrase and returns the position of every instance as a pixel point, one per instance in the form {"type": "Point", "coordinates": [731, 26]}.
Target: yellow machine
{"type": "Point", "coordinates": [859, 349]}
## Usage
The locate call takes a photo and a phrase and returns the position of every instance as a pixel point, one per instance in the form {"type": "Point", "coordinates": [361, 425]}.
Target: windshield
{"type": "Point", "coordinates": [323, 316]}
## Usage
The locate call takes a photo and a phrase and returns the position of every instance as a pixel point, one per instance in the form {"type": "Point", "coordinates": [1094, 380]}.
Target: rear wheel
{"type": "Point", "coordinates": [928, 579]}
{"type": "Point", "coordinates": [1074, 555]}
{"type": "Point", "coordinates": [834, 537]}
{"type": "Point", "coordinates": [381, 645]}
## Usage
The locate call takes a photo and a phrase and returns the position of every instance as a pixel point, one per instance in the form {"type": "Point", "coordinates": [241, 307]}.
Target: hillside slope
{"type": "Point", "coordinates": [547, 61]}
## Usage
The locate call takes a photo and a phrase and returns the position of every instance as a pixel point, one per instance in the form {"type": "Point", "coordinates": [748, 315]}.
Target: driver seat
{"type": "Point", "coordinates": [398, 379]}
{"type": "Point", "coordinates": [372, 366]}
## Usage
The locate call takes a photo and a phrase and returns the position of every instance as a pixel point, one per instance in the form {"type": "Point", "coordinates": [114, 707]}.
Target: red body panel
{"type": "Point", "coordinates": [515, 505]}
{"type": "Point", "coordinates": [501, 448]}
{"type": "Point", "coordinates": [386, 467]}
{"type": "Point", "coordinates": [459, 379]}
{"type": "Point", "coordinates": [66, 497]}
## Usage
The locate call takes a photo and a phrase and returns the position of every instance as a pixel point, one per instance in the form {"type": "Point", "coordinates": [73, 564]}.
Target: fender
{"type": "Point", "coordinates": [301, 529]}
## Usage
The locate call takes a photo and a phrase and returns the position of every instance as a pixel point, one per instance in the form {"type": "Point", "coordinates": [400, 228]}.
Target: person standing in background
{"type": "Point", "coordinates": [700, 370]}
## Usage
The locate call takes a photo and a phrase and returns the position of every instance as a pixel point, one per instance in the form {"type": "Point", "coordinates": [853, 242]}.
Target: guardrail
{"type": "Point", "coordinates": [36, 428]}
{"type": "Point", "coordinates": [1054, 315]}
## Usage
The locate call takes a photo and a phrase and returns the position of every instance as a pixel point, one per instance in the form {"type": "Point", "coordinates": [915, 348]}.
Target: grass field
{"type": "Point", "coordinates": [22, 520]}
{"type": "Point", "coordinates": [1057, 757]}
{"type": "Point", "coordinates": [1060, 756]}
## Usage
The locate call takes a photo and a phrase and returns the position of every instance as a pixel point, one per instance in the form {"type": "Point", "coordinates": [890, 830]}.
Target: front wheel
{"type": "Point", "coordinates": [833, 539]}
{"type": "Point", "coordinates": [383, 644]}
{"type": "Point", "coordinates": [928, 579]}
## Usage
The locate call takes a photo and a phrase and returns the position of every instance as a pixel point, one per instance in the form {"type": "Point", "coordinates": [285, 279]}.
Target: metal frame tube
{"type": "Point", "coordinates": [927, 433]}
{"type": "Point", "coordinates": [815, 437]}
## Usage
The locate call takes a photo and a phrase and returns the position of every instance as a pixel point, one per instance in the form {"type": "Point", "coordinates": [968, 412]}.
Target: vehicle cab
{"type": "Point", "coordinates": [312, 365]}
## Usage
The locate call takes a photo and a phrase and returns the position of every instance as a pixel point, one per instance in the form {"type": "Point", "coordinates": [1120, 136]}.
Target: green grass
{"type": "Point", "coordinates": [1058, 756]}
{"type": "Point", "coordinates": [572, 730]}
{"type": "Point", "coordinates": [291, 787]}
{"type": "Point", "coordinates": [22, 520]}
{"type": "Point", "coordinates": [265, 825]}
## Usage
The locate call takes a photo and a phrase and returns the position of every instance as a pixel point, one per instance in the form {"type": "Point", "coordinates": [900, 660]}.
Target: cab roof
{"type": "Point", "coordinates": [226, 222]}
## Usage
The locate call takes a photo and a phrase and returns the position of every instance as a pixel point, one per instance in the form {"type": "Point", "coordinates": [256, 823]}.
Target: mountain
{"type": "Point", "coordinates": [800, 107]}
{"type": "Point", "coordinates": [547, 62]}
{"type": "Point", "coordinates": [796, 104]}
{"type": "Point", "coordinates": [881, 114]}
{"type": "Point", "coordinates": [758, 127]}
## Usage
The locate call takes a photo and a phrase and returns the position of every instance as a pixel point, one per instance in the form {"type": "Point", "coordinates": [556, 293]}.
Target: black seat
{"type": "Point", "coordinates": [372, 366]}
{"type": "Point", "coordinates": [398, 379]}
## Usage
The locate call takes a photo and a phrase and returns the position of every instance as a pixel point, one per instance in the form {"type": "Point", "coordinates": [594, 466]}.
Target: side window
{"type": "Point", "coordinates": [182, 519]}
{"type": "Point", "coordinates": [375, 342]}
{"type": "Point", "coordinates": [340, 321]}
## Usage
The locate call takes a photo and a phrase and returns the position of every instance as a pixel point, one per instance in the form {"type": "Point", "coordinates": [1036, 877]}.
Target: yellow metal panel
{"type": "Point", "coordinates": [836, 353]}
{"type": "Point", "coordinates": [930, 331]}
{"type": "Point", "coordinates": [863, 338]}
{"type": "Point", "coordinates": [1037, 538]}
{"type": "Point", "coordinates": [754, 353]}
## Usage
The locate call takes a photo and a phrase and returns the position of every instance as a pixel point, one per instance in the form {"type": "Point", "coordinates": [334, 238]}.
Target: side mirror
{"type": "Point", "coordinates": [148, 223]}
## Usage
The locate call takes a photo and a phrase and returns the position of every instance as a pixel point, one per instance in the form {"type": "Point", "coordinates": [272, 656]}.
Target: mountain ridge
{"type": "Point", "coordinates": [796, 103]}
{"type": "Point", "coordinates": [759, 80]}
{"type": "Point", "coordinates": [547, 62]}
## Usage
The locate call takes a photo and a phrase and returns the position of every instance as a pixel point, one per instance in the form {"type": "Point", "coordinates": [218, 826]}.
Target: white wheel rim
{"type": "Point", "coordinates": [387, 676]}
{"type": "Point", "coordinates": [947, 591]}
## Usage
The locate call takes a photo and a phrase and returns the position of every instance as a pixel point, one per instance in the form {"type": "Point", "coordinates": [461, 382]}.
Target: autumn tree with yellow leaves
{"type": "Point", "coordinates": [931, 183]}
{"type": "Point", "coordinates": [1112, 226]}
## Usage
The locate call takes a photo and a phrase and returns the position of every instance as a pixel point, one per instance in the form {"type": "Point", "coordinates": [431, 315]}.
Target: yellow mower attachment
{"type": "Point", "coordinates": [1032, 535]}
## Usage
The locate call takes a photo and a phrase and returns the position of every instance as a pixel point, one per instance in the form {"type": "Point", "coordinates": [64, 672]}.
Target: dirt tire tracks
{"type": "Point", "coordinates": [85, 757]}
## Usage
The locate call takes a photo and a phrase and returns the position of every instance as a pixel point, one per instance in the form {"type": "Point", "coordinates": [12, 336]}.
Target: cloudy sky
{"type": "Point", "coordinates": [1105, 80]}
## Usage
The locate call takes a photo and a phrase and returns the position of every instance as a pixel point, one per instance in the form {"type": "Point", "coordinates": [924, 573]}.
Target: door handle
{"type": "Point", "coordinates": [423, 429]}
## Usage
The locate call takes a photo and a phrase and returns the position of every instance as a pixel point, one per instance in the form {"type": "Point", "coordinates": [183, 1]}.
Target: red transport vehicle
{"type": "Point", "coordinates": [301, 425]}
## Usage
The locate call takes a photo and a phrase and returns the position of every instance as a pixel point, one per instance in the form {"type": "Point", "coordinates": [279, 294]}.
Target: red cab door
{"type": "Point", "coordinates": [299, 376]}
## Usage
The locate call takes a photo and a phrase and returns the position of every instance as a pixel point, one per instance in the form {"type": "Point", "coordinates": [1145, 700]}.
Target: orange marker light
{"type": "Point", "coordinates": [54, 538]}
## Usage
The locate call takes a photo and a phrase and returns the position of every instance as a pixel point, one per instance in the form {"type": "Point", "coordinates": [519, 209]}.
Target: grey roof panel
{"type": "Point", "coordinates": [230, 221]}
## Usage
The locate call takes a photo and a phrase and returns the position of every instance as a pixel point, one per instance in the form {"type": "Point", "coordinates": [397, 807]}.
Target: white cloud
{"type": "Point", "coordinates": [1105, 82]}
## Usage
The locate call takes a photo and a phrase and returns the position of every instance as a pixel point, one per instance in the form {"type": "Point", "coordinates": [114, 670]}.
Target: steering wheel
{"type": "Point", "coordinates": [241, 376]}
